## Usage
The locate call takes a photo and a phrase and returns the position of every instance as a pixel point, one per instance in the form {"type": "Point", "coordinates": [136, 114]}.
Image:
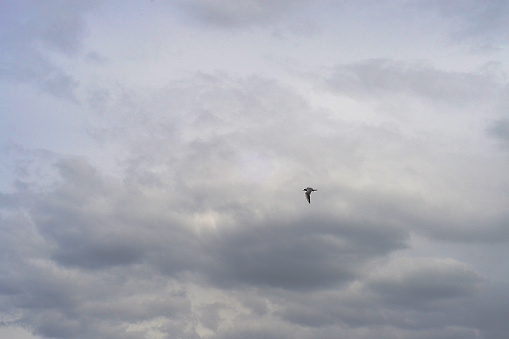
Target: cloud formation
{"type": "Point", "coordinates": [32, 32]}
{"type": "Point", "coordinates": [177, 209]}
{"type": "Point", "coordinates": [228, 13]}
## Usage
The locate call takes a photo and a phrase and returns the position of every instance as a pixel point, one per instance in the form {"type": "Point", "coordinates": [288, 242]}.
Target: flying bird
{"type": "Point", "coordinates": [308, 193]}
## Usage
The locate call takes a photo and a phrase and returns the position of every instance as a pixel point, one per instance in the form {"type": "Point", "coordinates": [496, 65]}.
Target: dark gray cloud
{"type": "Point", "coordinates": [426, 281]}
{"type": "Point", "coordinates": [304, 254]}
{"type": "Point", "coordinates": [490, 311]}
{"type": "Point", "coordinates": [82, 219]}
{"type": "Point", "coordinates": [435, 285]}
{"type": "Point", "coordinates": [58, 302]}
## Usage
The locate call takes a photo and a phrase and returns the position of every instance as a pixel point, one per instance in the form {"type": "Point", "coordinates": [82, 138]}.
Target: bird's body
{"type": "Point", "coordinates": [308, 191]}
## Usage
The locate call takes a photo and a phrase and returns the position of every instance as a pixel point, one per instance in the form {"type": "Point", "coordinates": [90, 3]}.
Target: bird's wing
{"type": "Point", "coordinates": [308, 196]}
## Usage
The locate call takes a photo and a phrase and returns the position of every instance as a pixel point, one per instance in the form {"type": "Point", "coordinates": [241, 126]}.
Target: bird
{"type": "Point", "coordinates": [308, 193]}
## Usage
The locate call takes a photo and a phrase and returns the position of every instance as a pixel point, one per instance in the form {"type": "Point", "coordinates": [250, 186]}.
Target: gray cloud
{"type": "Point", "coordinates": [426, 281]}
{"type": "Point", "coordinates": [491, 311]}
{"type": "Point", "coordinates": [186, 219]}
{"type": "Point", "coordinates": [58, 26]}
{"type": "Point", "coordinates": [275, 252]}
{"type": "Point", "coordinates": [290, 256]}
{"type": "Point", "coordinates": [500, 130]}
{"type": "Point", "coordinates": [30, 28]}
{"type": "Point", "coordinates": [382, 76]}
{"type": "Point", "coordinates": [228, 13]}
{"type": "Point", "coordinates": [186, 208]}
{"type": "Point", "coordinates": [73, 243]}
{"type": "Point", "coordinates": [484, 26]}
{"type": "Point", "coordinates": [434, 284]}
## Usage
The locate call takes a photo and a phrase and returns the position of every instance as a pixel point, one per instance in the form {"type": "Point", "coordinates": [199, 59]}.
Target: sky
{"type": "Point", "coordinates": [153, 156]}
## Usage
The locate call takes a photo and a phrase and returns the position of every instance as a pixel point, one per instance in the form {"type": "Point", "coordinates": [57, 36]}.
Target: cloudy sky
{"type": "Point", "coordinates": [153, 156]}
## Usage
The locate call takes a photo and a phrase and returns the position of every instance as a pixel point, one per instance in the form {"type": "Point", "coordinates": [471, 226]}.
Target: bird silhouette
{"type": "Point", "coordinates": [308, 193]}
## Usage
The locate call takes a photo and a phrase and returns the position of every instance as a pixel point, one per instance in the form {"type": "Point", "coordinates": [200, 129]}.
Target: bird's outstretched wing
{"type": "Point", "coordinates": [308, 196]}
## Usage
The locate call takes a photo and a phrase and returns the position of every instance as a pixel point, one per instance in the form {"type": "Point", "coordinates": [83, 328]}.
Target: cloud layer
{"type": "Point", "coordinates": [172, 205]}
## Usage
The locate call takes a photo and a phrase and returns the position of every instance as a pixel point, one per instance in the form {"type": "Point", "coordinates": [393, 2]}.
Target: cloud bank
{"type": "Point", "coordinates": [173, 208]}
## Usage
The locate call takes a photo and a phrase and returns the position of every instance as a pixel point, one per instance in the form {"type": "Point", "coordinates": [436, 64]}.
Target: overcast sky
{"type": "Point", "coordinates": [153, 156]}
